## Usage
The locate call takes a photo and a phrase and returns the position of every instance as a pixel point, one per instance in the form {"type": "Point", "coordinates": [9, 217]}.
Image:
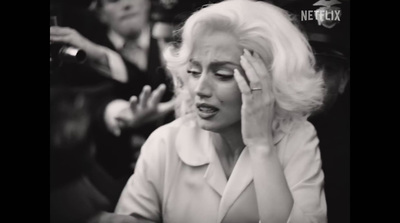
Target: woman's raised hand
{"type": "Point", "coordinates": [258, 101]}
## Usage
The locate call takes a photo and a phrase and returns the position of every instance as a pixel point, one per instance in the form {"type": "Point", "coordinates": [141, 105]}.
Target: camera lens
{"type": "Point", "coordinates": [72, 54]}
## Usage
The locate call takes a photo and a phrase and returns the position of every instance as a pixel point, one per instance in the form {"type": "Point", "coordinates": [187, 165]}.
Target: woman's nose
{"type": "Point", "coordinates": [203, 86]}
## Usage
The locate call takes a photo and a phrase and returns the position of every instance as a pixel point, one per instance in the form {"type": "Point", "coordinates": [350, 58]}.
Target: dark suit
{"type": "Point", "coordinates": [114, 154]}
{"type": "Point", "coordinates": [333, 129]}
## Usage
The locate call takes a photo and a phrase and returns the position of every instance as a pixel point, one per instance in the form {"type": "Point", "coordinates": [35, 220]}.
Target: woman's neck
{"type": "Point", "coordinates": [229, 145]}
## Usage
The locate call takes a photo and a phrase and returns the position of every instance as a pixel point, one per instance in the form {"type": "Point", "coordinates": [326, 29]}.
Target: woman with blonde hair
{"type": "Point", "coordinates": [242, 150]}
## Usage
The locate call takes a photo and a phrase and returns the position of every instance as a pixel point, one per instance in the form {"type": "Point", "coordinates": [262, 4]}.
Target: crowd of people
{"type": "Point", "coordinates": [228, 111]}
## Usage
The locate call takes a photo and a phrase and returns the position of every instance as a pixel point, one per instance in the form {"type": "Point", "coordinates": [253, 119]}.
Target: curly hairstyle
{"type": "Point", "coordinates": [267, 30]}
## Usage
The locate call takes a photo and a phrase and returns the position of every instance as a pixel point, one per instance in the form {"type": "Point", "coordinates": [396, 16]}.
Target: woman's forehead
{"type": "Point", "coordinates": [217, 46]}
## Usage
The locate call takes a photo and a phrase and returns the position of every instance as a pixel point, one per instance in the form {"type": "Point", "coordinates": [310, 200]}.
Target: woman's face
{"type": "Point", "coordinates": [211, 82]}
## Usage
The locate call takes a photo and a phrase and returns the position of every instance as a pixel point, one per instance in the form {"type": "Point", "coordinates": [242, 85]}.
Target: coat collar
{"type": "Point", "coordinates": [241, 177]}
{"type": "Point", "coordinates": [191, 142]}
{"type": "Point", "coordinates": [194, 148]}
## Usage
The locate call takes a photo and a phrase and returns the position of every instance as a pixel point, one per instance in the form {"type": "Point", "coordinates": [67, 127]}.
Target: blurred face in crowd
{"type": "Point", "coordinates": [211, 82]}
{"type": "Point", "coordinates": [126, 17]}
{"type": "Point", "coordinates": [336, 77]}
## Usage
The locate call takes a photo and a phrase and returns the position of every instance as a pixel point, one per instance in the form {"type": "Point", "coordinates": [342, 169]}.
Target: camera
{"type": "Point", "coordinates": [62, 53]}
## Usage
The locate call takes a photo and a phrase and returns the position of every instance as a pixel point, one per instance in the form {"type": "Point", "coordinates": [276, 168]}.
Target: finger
{"type": "Point", "coordinates": [124, 118]}
{"type": "Point", "coordinates": [243, 86]}
{"type": "Point", "coordinates": [72, 39]}
{"type": "Point", "coordinates": [144, 96]}
{"type": "Point", "coordinates": [250, 59]}
{"type": "Point", "coordinates": [56, 30]}
{"type": "Point", "coordinates": [59, 38]}
{"type": "Point", "coordinates": [116, 130]}
{"type": "Point", "coordinates": [259, 66]}
{"type": "Point", "coordinates": [133, 101]}
{"type": "Point", "coordinates": [165, 107]}
{"type": "Point", "coordinates": [263, 71]}
{"type": "Point", "coordinates": [121, 122]}
{"type": "Point", "coordinates": [249, 69]}
{"type": "Point", "coordinates": [156, 96]}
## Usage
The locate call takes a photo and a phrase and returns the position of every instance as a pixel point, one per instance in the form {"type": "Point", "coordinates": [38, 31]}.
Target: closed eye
{"type": "Point", "coordinates": [194, 73]}
{"type": "Point", "coordinates": [224, 77]}
{"type": "Point", "coordinates": [224, 74]}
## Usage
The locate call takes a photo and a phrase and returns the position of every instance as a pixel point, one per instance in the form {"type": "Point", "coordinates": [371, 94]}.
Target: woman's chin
{"type": "Point", "coordinates": [207, 125]}
{"type": "Point", "coordinates": [217, 125]}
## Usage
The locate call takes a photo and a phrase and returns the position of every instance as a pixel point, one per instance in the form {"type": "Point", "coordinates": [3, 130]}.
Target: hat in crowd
{"type": "Point", "coordinates": [326, 23]}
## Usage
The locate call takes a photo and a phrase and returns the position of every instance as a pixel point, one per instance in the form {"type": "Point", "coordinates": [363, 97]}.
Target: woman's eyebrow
{"type": "Point", "coordinates": [194, 62]}
{"type": "Point", "coordinates": [215, 63]}
{"type": "Point", "coordinates": [221, 63]}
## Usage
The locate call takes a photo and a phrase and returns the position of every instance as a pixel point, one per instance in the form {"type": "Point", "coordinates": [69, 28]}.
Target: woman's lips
{"type": "Point", "coordinates": [206, 111]}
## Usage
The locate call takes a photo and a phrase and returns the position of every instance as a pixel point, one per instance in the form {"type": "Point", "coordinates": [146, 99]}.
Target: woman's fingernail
{"type": "Point", "coordinates": [247, 52]}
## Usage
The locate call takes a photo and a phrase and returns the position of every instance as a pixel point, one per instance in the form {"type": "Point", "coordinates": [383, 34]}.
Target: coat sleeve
{"type": "Point", "coordinates": [142, 194]}
{"type": "Point", "coordinates": [303, 171]}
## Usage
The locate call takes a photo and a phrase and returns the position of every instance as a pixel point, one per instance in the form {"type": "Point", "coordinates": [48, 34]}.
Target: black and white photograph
{"type": "Point", "coordinates": [200, 111]}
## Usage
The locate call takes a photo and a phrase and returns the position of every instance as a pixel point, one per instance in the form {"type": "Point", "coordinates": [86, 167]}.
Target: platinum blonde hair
{"type": "Point", "coordinates": [267, 30]}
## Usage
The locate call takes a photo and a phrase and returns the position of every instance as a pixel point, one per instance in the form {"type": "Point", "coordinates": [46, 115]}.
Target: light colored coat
{"type": "Point", "coordinates": [179, 178]}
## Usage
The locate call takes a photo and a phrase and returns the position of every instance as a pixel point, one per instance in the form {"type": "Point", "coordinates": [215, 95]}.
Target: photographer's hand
{"type": "Point", "coordinates": [148, 108]}
{"type": "Point", "coordinates": [121, 114]}
{"type": "Point", "coordinates": [96, 55]}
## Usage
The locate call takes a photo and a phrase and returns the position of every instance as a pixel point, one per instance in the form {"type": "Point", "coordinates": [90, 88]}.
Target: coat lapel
{"type": "Point", "coordinates": [215, 175]}
{"type": "Point", "coordinates": [194, 148]}
{"type": "Point", "coordinates": [241, 177]}
{"type": "Point", "coordinates": [202, 151]}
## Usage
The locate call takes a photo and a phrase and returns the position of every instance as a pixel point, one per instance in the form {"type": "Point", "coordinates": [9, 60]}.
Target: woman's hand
{"type": "Point", "coordinates": [258, 102]}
